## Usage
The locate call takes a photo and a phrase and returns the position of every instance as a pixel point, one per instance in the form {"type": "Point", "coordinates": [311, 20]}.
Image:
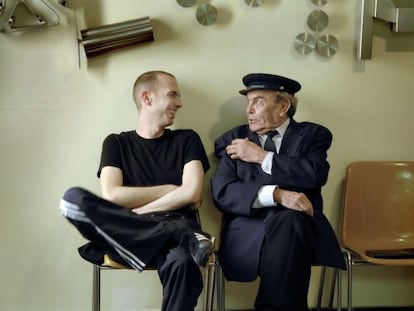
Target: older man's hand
{"type": "Point", "coordinates": [293, 200]}
{"type": "Point", "coordinates": [245, 150]}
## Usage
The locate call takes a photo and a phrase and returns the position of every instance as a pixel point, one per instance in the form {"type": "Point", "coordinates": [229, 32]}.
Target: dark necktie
{"type": "Point", "coordinates": [269, 144]}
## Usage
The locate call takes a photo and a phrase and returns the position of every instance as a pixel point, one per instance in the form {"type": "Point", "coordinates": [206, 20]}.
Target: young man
{"type": "Point", "coordinates": [151, 181]}
{"type": "Point", "coordinates": [268, 186]}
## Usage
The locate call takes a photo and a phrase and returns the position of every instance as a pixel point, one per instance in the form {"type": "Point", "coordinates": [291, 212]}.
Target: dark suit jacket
{"type": "Point", "coordinates": [300, 166]}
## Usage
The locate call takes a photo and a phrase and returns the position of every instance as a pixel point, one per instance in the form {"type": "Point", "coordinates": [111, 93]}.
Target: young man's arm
{"type": "Point", "coordinates": [112, 189]}
{"type": "Point", "coordinates": [188, 193]}
{"type": "Point", "coordinates": [155, 198]}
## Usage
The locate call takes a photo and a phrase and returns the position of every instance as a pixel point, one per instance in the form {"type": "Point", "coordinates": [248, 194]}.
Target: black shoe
{"type": "Point", "coordinates": [201, 247]}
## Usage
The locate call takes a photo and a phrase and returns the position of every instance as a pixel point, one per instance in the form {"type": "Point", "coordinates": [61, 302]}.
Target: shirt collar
{"type": "Point", "coordinates": [281, 130]}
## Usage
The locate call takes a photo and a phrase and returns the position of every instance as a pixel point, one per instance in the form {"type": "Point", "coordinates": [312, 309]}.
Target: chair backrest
{"type": "Point", "coordinates": [378, 207]}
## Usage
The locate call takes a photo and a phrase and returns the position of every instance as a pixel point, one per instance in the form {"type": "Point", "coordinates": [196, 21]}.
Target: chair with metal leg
{"type": "Point", "coordinates": [378, 216]}
{"type": "Point", "coordinates": [214, 286]}
{"type": "Point", "coordinates": [213, 281]}
{"type": "Point", "coordinates": [219, 282]}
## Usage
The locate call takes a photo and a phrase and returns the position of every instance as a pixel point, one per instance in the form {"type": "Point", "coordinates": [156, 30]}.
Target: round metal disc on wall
{"type": "Point", "coordinates": [319, 2]}
{"type": "Point", "coordinates": [254, 3]}
{"type": "Point", "coordinates": [206, 14]}
{"type": "Point", "coordinates": [186, 3]}
{"type": "Point", "coordinates": [327, 45]}
{"type": "Point", "coordinates": [304, 43]}
{"type": "Point", "coordinates": [318, 20]}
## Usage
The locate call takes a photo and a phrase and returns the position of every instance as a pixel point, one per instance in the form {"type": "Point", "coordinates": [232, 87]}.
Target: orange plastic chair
{"type": "Point", "coordinates": [378, 215]}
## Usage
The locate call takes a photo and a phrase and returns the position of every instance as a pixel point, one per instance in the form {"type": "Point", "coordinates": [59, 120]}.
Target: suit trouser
{"type": "Point", "coordinates": [285, 261]}
{"type": "Point", "coordinates": [139, 240]}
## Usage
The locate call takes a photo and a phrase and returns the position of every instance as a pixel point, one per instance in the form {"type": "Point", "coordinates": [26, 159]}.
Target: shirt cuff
{"type": "Point", "coordinates": [267, 163]}
{"type": "Point", "coordinates": [265, 197]}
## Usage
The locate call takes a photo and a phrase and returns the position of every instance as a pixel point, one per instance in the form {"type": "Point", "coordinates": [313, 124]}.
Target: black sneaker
{"type": "Point", "coordinates": [201, 247]}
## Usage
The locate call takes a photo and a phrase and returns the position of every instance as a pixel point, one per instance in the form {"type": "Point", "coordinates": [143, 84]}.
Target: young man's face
{"type": "Point", "coordinates": [166, 99]}
{"type": "Point", "coordinates": [263, 112]}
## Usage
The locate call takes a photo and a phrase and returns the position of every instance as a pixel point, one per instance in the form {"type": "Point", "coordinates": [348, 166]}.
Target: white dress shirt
{"type": "Point", "coordinates": [265, 194]}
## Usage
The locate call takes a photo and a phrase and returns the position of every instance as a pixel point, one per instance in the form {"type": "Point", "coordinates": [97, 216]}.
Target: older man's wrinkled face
{"type": "Point", "coordinates": [263, 112]}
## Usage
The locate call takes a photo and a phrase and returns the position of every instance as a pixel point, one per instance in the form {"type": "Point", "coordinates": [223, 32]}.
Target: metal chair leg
{"type": "Point", "coordinates": [349, 261]}
{"type": "Point", "coordinates": [321, 286]}
{"type": "Point", "coordinates": [209, 284]}
{"type": "Point", "coordinates": [332, 291]}
{"type": "Point", "coordinates": [96, 288]}
{"type": "Point", "coordinates": [221, 303]}
{"type": "Point", "coordinates": [336, 279]}
{"type": "Point", "coordinates": [339, 291]}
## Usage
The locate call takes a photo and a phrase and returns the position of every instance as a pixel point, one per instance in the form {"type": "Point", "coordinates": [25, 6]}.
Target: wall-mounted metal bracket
{"type": "Point", "coordinates": [109, 37]}
{"type": "Point", "coordinates": [2, 5]}
{"type": "Point", "coordinates": [400, 19]}
{"type": "Point", "coordinates": [21, 15]}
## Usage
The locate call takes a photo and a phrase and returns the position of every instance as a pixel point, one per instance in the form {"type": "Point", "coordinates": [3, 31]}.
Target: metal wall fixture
{"type": "Point", "coordinates": [325, 45]}
{"type": "Point", "coordinates": [206, 13]}
{"type": "Point", "coordinates": [305, 43]}
{"type": "Point", "coordinates": [22, 15]}
{"type": "Point", "coordinates": [318, 20]}
{"type": "Point", "coordinates": [319, 3]}
{"type": "Point", "coordinates": [109, 37]}
{"type": "Point", "coordinates": [400, 19]}
{"type": "Point", "coordinates": [254, 3]}
{"type": "Point", "coordinates": [186, 3]}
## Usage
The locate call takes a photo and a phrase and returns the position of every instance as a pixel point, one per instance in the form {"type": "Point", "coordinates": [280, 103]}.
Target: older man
{"type": "Point", "coordinates": [268, 186]}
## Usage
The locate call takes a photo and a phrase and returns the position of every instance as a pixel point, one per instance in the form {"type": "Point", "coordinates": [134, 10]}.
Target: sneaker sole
{"type": "Point", "coordinates": [203, 255]}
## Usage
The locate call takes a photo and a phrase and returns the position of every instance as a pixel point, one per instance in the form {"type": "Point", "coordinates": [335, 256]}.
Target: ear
{"type": "Point", "coordinates": [146, 98]}
{"type": "Point", "coordinates": [285, 107]}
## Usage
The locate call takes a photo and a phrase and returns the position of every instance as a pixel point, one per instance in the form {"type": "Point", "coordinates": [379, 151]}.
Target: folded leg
{"type": "Point", "coordinates": [135, 238]}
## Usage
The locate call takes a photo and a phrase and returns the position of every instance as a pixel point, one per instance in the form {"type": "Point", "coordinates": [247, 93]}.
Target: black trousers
{"type": "Point", "coordinates": [138, 241]}
{"type": "Point", "coordinates": [285, 262]}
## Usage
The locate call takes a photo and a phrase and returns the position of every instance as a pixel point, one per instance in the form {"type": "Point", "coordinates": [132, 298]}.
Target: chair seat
{"type": "Point", "coordinates": [108, 262]}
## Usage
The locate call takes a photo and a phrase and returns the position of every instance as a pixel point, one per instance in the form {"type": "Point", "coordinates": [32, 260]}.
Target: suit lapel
{"type": "Point", "coordinates": [253, 137]}
{"type": "Point", "coordinates": [292, 139]}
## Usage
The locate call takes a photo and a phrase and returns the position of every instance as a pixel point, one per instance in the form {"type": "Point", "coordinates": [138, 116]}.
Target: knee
{"type": "Point", "coordinates": [296, 219]}
{"type": "Point", "coordinates": [79, 196]}
{"type": "Point", "coordinates": [298, 224]}
{"type": "Point", "coordinates": [73, 194]}
{"type": "Point", "coordinates": [302, 227]}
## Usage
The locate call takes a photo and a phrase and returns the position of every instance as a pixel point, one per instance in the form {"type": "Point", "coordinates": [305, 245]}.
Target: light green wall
{"type": "Point", "coordinates": [54, 116]}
